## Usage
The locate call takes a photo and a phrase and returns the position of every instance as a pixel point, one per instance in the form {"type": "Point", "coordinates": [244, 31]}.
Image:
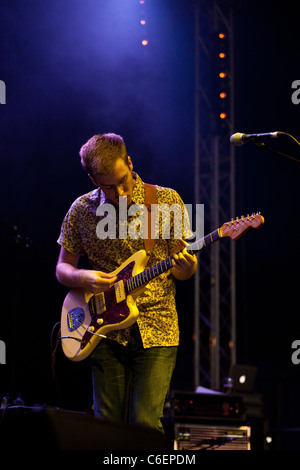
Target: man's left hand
{"type": "Point", "coordinates": [184, 264]}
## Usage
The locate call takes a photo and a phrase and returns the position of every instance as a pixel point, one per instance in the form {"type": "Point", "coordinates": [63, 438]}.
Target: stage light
{"type": "Point", "coordinates": [222, 55]}
{"type": "Point", "coordinates": [143, 22]}
{"type": "Point", "coordinates": [145, 42]}
{"type": "Point", "coordinates": [223, 115]}
{"type": "Point", "coordinates": [142, 2]}
{"type": "Point", "coordinates": [222, 35]}
{"type": "Point", "coordinates": [223, 95]}
{"type": "Point", "coordinates": [222, 75]}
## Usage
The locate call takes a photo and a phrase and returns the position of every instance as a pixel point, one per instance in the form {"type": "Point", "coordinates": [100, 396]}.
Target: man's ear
{"type": "Point", "coordinates": [93, 180]}
{"type": "Point", "coordinates": [130, 163]}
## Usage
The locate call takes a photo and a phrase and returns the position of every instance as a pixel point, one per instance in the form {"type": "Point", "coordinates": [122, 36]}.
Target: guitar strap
{"type": "Point", "coordinates": [150, 198]}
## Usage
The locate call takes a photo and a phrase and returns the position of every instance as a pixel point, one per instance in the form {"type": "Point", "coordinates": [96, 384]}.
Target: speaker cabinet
{"type": "Point", "coordinates": [42, 428]}
{"type": "Point", "coordinates": [191, 436]}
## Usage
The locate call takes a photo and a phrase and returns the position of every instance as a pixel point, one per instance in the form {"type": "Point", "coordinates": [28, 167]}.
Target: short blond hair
{"type": "Point", "coordinates": [100, 153]}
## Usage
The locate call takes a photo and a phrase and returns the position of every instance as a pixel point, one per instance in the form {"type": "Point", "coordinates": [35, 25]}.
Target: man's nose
{"type": "Point", "coordinates": [120, 190]}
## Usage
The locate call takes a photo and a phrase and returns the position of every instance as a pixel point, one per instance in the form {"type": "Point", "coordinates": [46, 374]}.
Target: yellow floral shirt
{"type": "Point", "coordinates": [157, 321]}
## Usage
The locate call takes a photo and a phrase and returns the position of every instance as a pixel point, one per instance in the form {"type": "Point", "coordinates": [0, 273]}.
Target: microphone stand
{"type": "Point", "coordinates": [262, 146]}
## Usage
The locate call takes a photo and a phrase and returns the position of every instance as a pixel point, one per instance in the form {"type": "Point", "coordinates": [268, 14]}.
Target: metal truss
{"type": "Point", "coordinates": [214, 302]}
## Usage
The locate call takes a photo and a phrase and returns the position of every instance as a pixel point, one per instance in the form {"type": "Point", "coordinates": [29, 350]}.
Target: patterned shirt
{"type": "Point", "coordinates": [157, 321]}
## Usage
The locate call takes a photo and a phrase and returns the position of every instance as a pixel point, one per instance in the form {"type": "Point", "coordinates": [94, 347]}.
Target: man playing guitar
{"type": "Point", "coordinates": [132, 367]}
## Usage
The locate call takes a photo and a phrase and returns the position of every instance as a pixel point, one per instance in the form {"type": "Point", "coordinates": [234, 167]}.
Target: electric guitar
{"type": "Point", "coordinates": [87, 317]}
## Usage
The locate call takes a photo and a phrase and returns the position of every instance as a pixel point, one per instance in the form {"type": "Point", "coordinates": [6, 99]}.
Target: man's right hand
{"type": "Point", "coordinates": [69, 275]}
{"type": "Point", "coordinates": [95, 281]}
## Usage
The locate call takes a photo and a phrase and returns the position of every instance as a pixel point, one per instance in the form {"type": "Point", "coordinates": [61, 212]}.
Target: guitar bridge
{"type": "Point", "coordinates": [120, 291]}
{"type": "Point", "coordinates": [75, 318]}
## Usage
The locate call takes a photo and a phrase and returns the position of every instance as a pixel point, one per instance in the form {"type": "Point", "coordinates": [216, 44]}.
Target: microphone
{"type": "Point", "coordinates": [240, 139]}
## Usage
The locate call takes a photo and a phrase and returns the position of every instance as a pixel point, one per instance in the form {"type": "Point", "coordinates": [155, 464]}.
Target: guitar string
{"type": "Point", "coordinates": [110, 293]}
{"type": "Point", "coordinates": [151, 270]}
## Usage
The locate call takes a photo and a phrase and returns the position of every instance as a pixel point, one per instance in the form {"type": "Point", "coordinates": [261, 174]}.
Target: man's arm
{"type": "Point", "coordinates": [70, 275]}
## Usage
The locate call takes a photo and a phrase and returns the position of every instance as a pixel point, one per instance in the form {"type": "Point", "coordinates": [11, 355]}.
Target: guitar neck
{"type": "Point", "coordinates": [157, 269]}
{"type": "Point", "coordinates": [204, 242]}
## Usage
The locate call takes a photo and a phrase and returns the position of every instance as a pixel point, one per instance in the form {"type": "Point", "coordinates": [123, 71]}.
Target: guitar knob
{"type": "Point", "coordinates": [100, 321]}
{"type": "Point", "coordinates": [91, 328]}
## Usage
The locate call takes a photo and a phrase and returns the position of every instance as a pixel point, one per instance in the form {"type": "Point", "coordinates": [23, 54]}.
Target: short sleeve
{"type": "Point", "coordinates": [70, 234]}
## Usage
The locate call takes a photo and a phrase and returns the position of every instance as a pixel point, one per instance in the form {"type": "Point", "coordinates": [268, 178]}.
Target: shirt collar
{"type": "Point", "coordinates": [138, 196]}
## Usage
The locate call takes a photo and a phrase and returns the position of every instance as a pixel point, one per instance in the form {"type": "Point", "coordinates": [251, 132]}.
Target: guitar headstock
{"type": "Point", "coordinates": [236, 228]}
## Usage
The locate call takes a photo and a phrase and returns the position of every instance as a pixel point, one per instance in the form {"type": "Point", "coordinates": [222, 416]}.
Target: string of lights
{"type": "Point", "coordinates": [143, 23]}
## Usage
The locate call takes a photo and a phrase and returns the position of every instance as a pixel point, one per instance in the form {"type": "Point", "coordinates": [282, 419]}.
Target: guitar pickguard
{"type": "Point", "coordinates": [110, 311]}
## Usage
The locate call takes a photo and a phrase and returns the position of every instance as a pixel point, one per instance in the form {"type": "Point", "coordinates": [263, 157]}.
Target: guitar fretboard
{"type": "Point", "coordinates": [204, 242]}
{"type": "Point", "coordinates": [150, 273]}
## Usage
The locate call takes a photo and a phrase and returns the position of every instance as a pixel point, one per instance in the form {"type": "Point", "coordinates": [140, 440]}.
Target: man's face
{"type": "Point", "coordinates": [119, 182]}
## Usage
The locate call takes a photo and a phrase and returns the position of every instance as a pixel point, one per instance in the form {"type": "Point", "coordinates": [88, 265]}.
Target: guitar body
{"type": "Point", "coordinates": [85, 315]}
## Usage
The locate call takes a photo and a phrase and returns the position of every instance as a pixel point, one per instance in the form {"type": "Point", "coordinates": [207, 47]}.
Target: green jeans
{"type": "Point", "coordinates": [131, 383]}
